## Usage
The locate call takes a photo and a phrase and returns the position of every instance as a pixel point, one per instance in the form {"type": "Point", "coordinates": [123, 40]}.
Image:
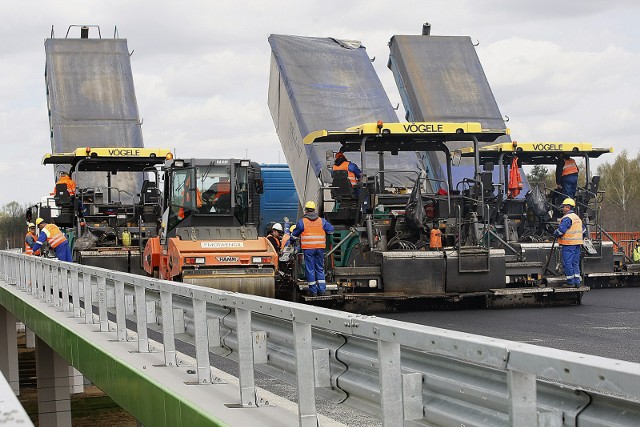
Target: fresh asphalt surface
{"type": "Point", "coordinates": [607, 324]}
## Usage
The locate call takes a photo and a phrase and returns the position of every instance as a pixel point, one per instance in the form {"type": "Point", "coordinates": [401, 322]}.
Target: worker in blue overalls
{"type": "Point", "coordinates": [313, 231]}
{"type": "Point", "coordinates": [569, 235]}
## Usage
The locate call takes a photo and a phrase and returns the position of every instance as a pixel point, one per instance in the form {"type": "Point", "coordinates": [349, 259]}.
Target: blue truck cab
{"type": "Point", "coordinates": [279, 198]}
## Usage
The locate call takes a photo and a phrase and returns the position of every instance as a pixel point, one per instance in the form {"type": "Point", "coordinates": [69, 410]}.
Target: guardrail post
{"type": "Point", "coordinates": [47, 283]}
{"type": "Point", "coordinates": [75, 292]}
{"type": "Point", "coordinates": [203, 366]}
{"type": "Point", "coordinates": [16, 270]}
{"type": "Point", "coordinates": [121, 321]}
{"type": "Point", "coordinates": [88, 304]}
{"type": "Point", "coordinates": [141, 316]}
{"type": "Point", "coordinates": [20, 273]}
{"type": "Point", "coordinates": [35, 277]}
{"type": "Point", "coordinates": [27, 275]}
{"type": "Point", "coordinates": [64, 282]}
{"type": "Point", "coordinates": [29, 272]}
{"type": "Point", "coordinates": [102, 304]}
{"type": "Point", "coordinates": [245, 358]}
{"type": "Point", "coordinates": [55, 285]}
{"type": "Point", "coordinates": [307, 416]}
{"type": "Point", "coordinates": [389, 371]}
{"type": "Point", "coordinates": [29, 283]}
{"type": "Point", "coordinates": [168, 331]}
{"type": "Point", "coordinates": [522, 398]}
{"type": "Point", "coordinates": [12, 271]}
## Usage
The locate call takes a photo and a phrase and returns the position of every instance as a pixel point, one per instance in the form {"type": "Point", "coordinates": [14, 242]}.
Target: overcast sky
{"type": "Point", "coordinates": [559, 70]}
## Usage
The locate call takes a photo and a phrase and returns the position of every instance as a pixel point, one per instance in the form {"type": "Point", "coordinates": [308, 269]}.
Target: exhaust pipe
{"type": "Point", "coordinates": [84, 32]}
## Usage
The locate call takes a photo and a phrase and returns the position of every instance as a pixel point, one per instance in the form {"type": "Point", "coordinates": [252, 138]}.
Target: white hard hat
{"type": "Point", "coordinates": [277, 226]}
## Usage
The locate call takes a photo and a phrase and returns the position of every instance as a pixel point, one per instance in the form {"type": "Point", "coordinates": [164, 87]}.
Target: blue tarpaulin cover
{"type": "Point", "coordinates": [92, 101]}
{"type": "Point", "coordinates": [330, 84]}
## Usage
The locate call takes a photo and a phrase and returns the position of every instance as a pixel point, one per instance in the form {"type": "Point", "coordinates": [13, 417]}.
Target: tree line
{"type": "Point", "coordinates": [620, 186]}
{"type": "Point", "coordinates": [13, 226]}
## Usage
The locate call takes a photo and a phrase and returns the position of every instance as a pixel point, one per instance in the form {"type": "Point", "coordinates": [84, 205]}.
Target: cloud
{"type": "Point", "coordinates": [553, 92]}
{"type": "Point", "coordinates": [201, 68]}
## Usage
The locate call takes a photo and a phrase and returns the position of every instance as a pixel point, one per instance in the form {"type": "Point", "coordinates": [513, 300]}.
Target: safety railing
{"type": "Point", "coordinates": [397, 371]}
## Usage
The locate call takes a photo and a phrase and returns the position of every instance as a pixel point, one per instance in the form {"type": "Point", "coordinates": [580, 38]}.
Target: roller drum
{"type": "Point", "coordinates": [243, 282]}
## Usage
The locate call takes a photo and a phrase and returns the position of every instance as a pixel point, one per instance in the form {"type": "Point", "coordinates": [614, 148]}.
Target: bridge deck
{"type": "Point", "coordinates": [139, 382]}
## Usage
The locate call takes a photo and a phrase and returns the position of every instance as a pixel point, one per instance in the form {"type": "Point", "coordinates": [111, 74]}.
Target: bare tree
{"type": "Point", "coordinates": [620, 181]}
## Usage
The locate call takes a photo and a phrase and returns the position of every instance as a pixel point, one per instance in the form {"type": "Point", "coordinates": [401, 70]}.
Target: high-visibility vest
{"type": "Point", "coordinates": [278, 244]}
{"type": "Point", "coordinates": [27, 248]}
{"type": "Point", "coordinates": [313, 235]}
{"type": "Point", "coordinates": [71, 184]}
{"type": "Point", "coordinates": [55, 237]}
{"type": "Point", "coordinates": [636, 254]}
{"type": "Point", "coordinates": [570, 167]}
{"type": "Point", "coordinates": [573, 236]}
{"type": "Point", "coordinates": [344, 166]}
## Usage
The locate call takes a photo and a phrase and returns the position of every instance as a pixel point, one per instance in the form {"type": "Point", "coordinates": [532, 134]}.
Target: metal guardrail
{"type": "Point", "coordinates": [398, 371]}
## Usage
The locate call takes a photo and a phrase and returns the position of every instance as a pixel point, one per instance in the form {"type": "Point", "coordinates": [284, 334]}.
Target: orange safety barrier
{"type": "Point", "coordinates": [625, 239]}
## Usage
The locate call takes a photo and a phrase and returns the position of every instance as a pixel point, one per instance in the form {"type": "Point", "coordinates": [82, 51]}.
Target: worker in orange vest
{"type": "Point", "coordinates": [30, 240]}
{"type": "Point", "coordinates": [274, 237]}
{"type": "Point", "coordinates": [66, 179]}
{"type": "Point", "coordinates": [567, 175]}
{"type": "Point", "coordinates": [342, 164]}
{"type": "Point", "coordinates": [569, 235]}
{"type": "Point", "coordinates": [221, 197]}
{"type": "Point", "coordinates": [56, 239]}
{"type": "Point", "coordinates": [313, 231]}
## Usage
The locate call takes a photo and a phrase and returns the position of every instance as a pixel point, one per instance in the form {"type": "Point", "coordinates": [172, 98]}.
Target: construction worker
{"type": "Point", "coordinates": [66, 179]}
{"type": "Point", "coordinates": [30, 240]}
{"type": "Point", "coordinates": [274, 237]}
{"type": "Point", "coordinates": [342, 164]}
{"type": "Point", "coordinates": [569, 234]}
{"type": "Point", "coordinates": [636, 251]}
{"type": "Point", "coordinates": [312, 231]}
{"type": "Point", "coordinates": [58, 242]}
{"type": "Point", "coordinates": [567, 175]}
{"type": "Point", "coordinates": [221, 197]}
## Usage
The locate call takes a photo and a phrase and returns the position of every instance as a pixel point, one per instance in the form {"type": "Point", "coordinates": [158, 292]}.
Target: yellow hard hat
{"type": "Point", "coordinates": [569, 202]}
{"type": "Point", "coordinates": [38, 221]}
{"type": "Point", "coordinates": [293, 227]}
{"type": "Point", "coordinates": [310, 205]}
{"type": "Point", "coordinates": [31, 225]}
